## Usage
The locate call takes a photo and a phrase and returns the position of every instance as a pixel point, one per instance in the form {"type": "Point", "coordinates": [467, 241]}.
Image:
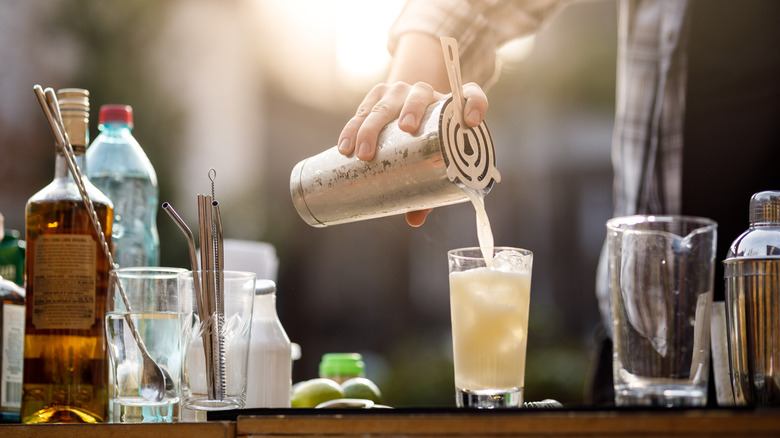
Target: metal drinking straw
{"type": "Point", "coordinates": [211, 295]}
{"type": "Point", "coordinates": [219, 270]}
{"type": "Point", "coordinates": [209, 286]}
{"type": "Point", "coordinates": [202, 309]}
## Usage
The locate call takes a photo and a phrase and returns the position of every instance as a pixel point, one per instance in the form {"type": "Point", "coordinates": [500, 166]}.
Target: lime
{"type": "Point", "coordinates": [310, 393]}
{"type": "Point", "coordinates": [360, 387]}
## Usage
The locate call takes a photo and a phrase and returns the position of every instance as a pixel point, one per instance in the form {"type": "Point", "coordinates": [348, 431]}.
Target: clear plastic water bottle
{"type": "Point", "coordinates": [118, 166]}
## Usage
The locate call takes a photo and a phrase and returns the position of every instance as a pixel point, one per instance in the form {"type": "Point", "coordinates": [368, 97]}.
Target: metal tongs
{"type": "Point", "coordinates": [209, 285]}
{"type": "Point", "coordinates": [155, 380]}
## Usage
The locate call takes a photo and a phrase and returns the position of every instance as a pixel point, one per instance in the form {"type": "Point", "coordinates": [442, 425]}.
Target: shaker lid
{"type": "Point", "coordinates": [762, 239]}
{"type": "Point", "coordinates": [765, 208]}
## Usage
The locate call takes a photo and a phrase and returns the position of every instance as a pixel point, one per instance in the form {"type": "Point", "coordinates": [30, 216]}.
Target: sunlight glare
{"type": "Point", "coordinates": [361, 40]}
{"type": "Point", "coordinates": [516, 51]}
{"type": "Point", "coordinates": [325, 52]}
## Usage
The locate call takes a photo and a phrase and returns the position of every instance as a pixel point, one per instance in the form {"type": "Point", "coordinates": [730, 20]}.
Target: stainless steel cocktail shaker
{"type": "Point", "coordinates": [752, 275]}
{"type": "Point", "coordinates": [411, 171]}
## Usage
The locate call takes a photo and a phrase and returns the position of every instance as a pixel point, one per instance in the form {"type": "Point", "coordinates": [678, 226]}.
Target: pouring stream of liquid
{"type": "Point", "coordinates": [452, 62]}
{"type": "Point", "coordinates": [484, 232]}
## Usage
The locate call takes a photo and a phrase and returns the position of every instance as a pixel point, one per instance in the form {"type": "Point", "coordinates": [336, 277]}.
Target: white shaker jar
{"type": "Point", "coordinates": [269, 372]}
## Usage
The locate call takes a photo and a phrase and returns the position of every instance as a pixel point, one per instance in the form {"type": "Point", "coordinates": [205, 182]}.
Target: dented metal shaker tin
{"type": "Point", "coordinates": [411, 171]}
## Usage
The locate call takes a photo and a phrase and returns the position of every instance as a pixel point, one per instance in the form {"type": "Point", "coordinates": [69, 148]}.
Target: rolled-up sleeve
{"type": "Point", "coordinates": [479, 26]}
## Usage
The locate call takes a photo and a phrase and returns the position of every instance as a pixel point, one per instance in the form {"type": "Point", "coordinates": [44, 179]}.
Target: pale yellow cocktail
{"type": "Point", "coordinates": [489, 311]}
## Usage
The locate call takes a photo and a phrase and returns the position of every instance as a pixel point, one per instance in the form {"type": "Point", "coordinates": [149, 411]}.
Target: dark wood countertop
{"type": "Point", "coordinates": [429, 423]}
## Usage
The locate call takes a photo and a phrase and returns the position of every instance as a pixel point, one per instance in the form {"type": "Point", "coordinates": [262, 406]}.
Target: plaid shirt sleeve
{"type": "Point", "coordinates": [650, 108]}
{"type": "Point", "coordinates": [647, 143]}
{"type": "Point", "coordinates": [479, 26]}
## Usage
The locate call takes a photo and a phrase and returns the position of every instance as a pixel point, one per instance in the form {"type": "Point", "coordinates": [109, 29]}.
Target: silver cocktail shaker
{"type": "Point", "coordinates": [752, 275]}
{"type": "Point", "coordinates": [411, 171]}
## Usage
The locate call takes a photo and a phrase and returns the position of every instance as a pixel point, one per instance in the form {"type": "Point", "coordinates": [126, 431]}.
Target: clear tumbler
{"type": "Point", "coordinates": [661, 278]}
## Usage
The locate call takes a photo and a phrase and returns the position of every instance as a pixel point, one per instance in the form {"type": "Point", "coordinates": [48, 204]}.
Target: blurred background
{"type": "Point", "coordinates": [251, 87]}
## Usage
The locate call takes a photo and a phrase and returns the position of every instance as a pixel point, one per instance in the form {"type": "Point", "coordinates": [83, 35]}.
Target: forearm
{"type": "Point", "coordinates": [479, 26]}
{"type": "Point", "coordinates": [418, 58]}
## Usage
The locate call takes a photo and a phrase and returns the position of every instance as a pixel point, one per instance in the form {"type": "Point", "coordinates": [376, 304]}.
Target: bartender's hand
{"type": "Point", "coordinates": [405, 102]}
{"type": "Point", "coordinates": [417, 78]}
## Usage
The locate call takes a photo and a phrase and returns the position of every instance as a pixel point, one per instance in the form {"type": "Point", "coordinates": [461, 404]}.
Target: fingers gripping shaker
{"type": "Point", "coordinates": [411, 171]}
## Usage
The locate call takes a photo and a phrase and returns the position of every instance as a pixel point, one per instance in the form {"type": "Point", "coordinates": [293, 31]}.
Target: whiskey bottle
{"type": "Point", "coordinates": [65, 357]}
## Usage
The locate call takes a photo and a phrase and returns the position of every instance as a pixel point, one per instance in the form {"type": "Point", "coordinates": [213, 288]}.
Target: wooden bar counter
{"type": "Point", "coordinates": [429, 423]}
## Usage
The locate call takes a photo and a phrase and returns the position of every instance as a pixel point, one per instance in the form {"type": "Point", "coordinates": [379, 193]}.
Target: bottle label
{"type": "Point", "coordinates": [64, 282]}
{"type": "Point", "coordinates": [12, 356]}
